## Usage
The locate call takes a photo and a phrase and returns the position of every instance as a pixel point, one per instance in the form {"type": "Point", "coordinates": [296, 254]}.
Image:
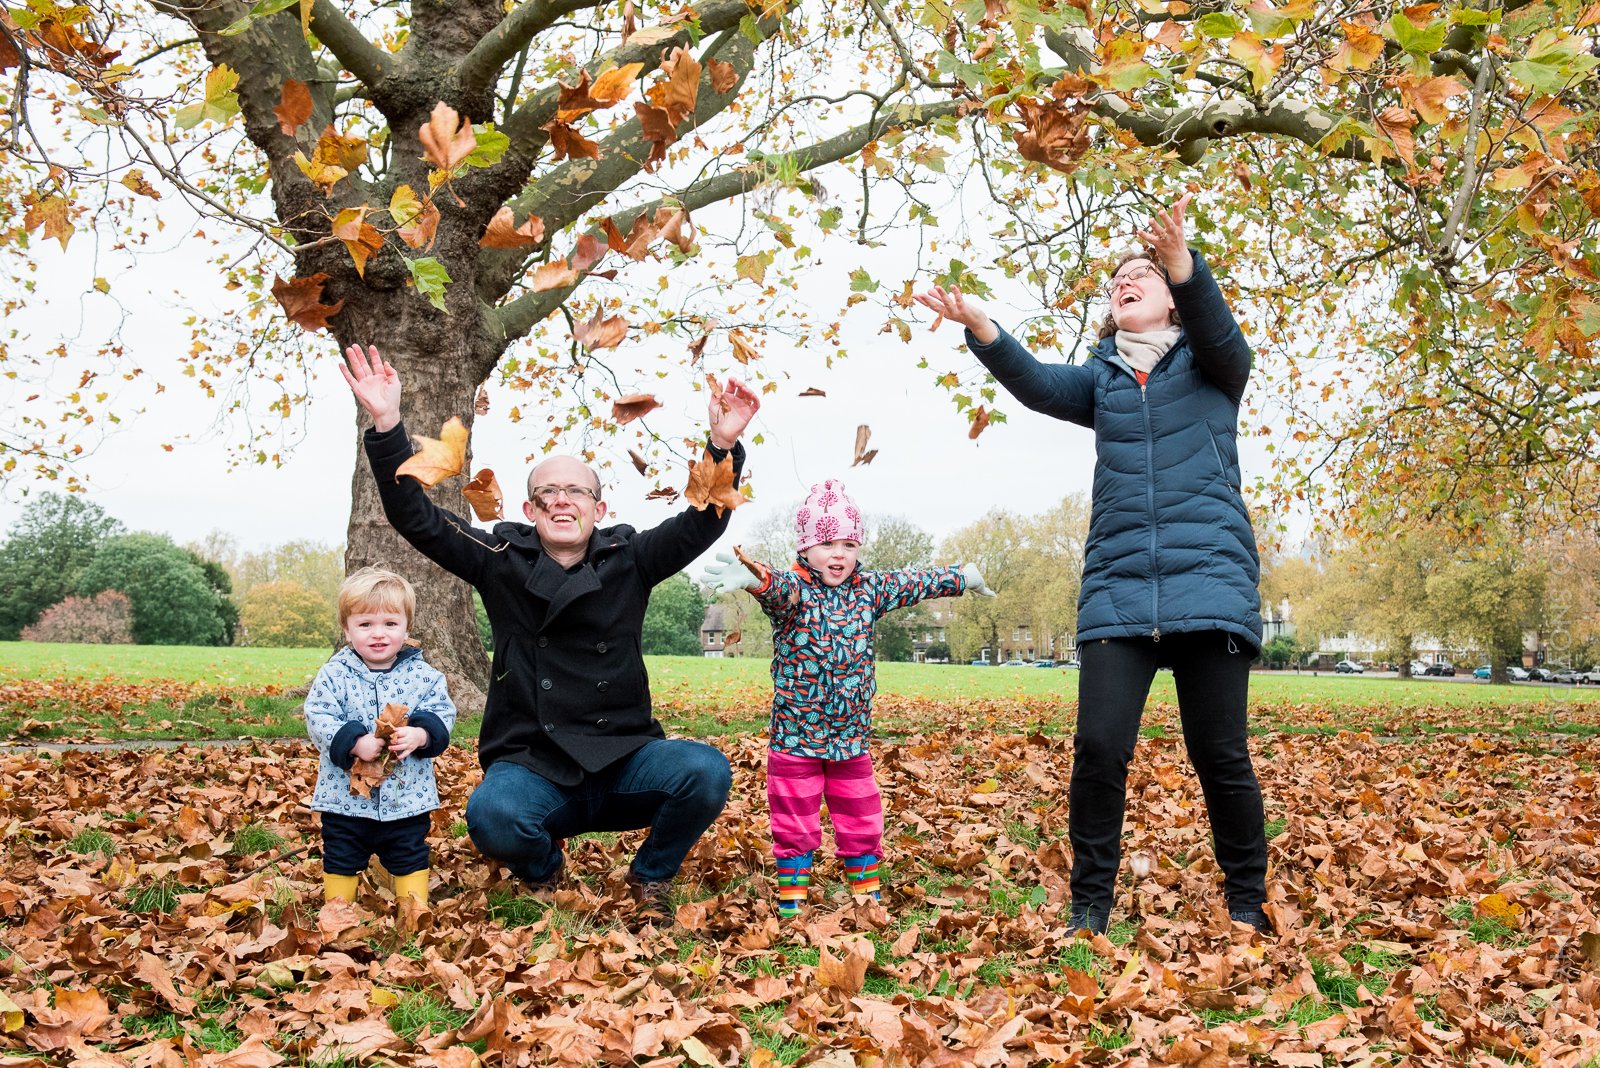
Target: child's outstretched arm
{"type": "Point", "coordinates": [777, 592]}
{"type": "Point", "coordinates": [905, 587]}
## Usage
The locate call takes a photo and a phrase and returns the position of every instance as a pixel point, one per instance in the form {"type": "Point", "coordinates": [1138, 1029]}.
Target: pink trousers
{"type": "Point", "coordinates": [796, 788]}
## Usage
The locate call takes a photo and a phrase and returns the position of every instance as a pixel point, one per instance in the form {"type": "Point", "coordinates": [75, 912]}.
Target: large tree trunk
{"type": "Point", "coordinates": [438, 373]}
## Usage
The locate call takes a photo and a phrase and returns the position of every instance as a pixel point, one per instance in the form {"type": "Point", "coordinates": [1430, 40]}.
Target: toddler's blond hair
{"type": "Point", "coordinates": [373, 589]}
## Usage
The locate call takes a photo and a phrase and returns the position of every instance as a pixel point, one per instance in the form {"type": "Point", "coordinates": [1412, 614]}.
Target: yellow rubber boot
{"type": "Point", "coordinates": [338, 887]}
{"type": "Point", "coordinates": [414, 886]}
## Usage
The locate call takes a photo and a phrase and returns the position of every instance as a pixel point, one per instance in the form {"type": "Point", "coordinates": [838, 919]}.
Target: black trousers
{"type": "Point", "coordinates": [348, 843]}
{"type": "Point", "coordinates": [1212, 673]}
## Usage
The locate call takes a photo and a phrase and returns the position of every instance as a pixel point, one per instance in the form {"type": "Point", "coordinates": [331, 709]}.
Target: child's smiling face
{"type": "Point", "coordinates": [376, 636]}
{"type": "Point", "coordinates": [835, 561]}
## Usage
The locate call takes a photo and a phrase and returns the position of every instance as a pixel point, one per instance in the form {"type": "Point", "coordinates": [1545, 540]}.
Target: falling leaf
{"type": "Point", "coordinates": [553, 275]}
{"type": "Point", "coordinates": [301, 299]}
{"type": "Point", "coordinates": [218, 101]}
{"type": "Point", "coordinates": [294, 107]}
{"type": "Point", "coordinates": [664, 493]}
{"type": "Point", "coordinates": [483, 493]}
{"type": "Point", "coordinates": [980, 419]}
{"type": "Point", "coordinates": [633, 406]}
{"type": "Point", "coordinates": [586, 253]}
{"type": "Point", "coordinates": [360, 237]}
{"type": "Point", "coordinates": [503, 231]}
{"type": "Point", "coordinates": [639, 464]}
{"type": "Point", "coordinates": [732, 637]}
{"type": "Point", "coordinates": [813, 392]}
{"type": "Point", "coordinates": [862, 455]}
{"type": "Point", "coordinates": [417, 220]}
{"type": "Point", "coordinates": [1053, 134]}
{"type": "Point", "coordinates": [438, 459]}
{"type": "Point", "coordinates": [134, 179]}
{"type": "Point", "coordinates": [54, 214]}
{"type": "Point", "coordinates": [713, 484]}
{"type": "Point", "coordinates": [567, 142]}
{"type": "Point", "coordinates": [480, 403]}
{"type": "Point", "coordinates": [724, 76]}
{"type": "Point", "coordinates": [601, 333]}
{"type": "Point", "coordinates": [743, 351]}
{"type": "Point", "coordinates": [1396, 123]}
{"type": "Point", "coordinates": [446, 137]}
{"type": "Point", "coordinates": [607, 90]}
{"type": "Point", "coordinates": [679, 91]}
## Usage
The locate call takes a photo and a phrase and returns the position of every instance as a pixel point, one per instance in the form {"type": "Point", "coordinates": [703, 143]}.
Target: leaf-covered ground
{"type": "Point", "coordinates": [1436, 897]}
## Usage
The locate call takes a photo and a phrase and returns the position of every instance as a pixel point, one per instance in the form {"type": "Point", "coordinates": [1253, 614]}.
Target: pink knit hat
{"type": "Point", "coordinates": [828, 514]}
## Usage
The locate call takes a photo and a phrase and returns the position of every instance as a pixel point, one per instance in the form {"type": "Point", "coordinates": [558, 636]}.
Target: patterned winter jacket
{"type": "Point", "coordinates": [344, 703]}
{"type": "Point", "coordinates": [823, 675]}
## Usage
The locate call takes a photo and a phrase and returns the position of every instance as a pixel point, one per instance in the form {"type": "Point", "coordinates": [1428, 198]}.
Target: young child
{"type": "Point", "coordinates": [377, 668]}
{"type": "Point", "coordinates": [823, 681]}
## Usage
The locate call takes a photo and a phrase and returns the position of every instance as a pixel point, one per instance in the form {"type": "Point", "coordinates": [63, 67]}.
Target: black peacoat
{"type": "Point", "coordinates": [568, 692]}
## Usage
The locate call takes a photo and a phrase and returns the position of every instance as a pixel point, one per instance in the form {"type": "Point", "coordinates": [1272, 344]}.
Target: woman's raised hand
{"type": "Point", "coordinates": [951, 304]}
{"type": "Point", "coordinates": [1164, 234]}
{"type": "Point", "coordinates": [375, 383]}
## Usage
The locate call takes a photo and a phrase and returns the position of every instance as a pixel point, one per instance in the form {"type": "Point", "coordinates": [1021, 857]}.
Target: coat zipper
{"type": "Point", "coordinates": [1150, 505]}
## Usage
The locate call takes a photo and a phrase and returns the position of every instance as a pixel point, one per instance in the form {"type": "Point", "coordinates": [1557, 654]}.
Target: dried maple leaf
{"type": "Point", "coordinates": [483, 493]}
{"type": "Point", "coordinates": [862, 454]}
{"type": "Point", "coordinates": [565, 141]}
{"type": "Point", "coordinates": [607, 90]}
{"type": "Point", "coordinates": [680, 90]}
{"type": "Point", "coordinates": [755, 567]}
{"type": "Point", "coordinates": [416, 220]}
{"type": "Point", "coordinates": [360, 237]}
{"type": "Point", "coordinates": [301, 300]}
{"type": "Point", "coordinates": [639, 464]}
{"type": "Point", "coordinates": [732, 637]}
{"type": "Point", "coordinates": [438, 459]}
{"type": "Point", "coordinates": [586, 252]}
{"type": "Point", "coordinates": [663, 493]}
{"type": "Point", "coordinates": [980, 419]}
{"type": "Point", "coordinates": [1052, 134]}
{"type": "Point", "coordinates": [503, 231]}
{"type": "Point", "coordinates": [601, 333]}
{"type": "Point", "coordinates": [743, 351]}
{"type": "Point", "coordinates": [391, 719]}
{"type": "Point", "coordinates": [845, 973]}
{"type": "Point", "coordinates": [556, 274]}
{"type": "Point", "coordinates": [135, 180]}
{"type": "Point", "coordinates": [294, 107]}
{"type": "Point", "coordinates": [480, 403]}
{"type": "Point", "coordinates": [657, 127]}
{"type": "Point", "coordinates": [813, 392]}
{"type": "Point", "coordinates": [724, 76]}
{"type": "Point", "coordinates": [633, 406]}
{"type": "Point", "coordinates": [446, 137]}
{"type": "Point", "coordinates": [713, 484]}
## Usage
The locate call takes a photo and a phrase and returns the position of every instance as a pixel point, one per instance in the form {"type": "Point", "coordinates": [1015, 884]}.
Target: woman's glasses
{"type": "Point", "coordinates": [1132, 275]}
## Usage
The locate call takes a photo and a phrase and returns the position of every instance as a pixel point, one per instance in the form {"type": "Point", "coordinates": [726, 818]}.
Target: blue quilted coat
{"type": "Point", "coordinates": [1170, 545]}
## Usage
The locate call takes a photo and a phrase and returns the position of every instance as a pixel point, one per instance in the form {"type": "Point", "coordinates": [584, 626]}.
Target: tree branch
{"type": "Point", "coordinates": [481, 66]}
{"type": "Point", "coordinates": [515, 318]}
{"type": "Point", "coordinates": [360, 56]}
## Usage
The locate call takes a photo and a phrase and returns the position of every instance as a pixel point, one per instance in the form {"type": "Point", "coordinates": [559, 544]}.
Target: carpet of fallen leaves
{"type": "Point", "coordinates": [1436, 900]}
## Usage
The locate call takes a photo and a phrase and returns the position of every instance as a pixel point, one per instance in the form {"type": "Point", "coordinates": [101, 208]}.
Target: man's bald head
{"type": "Point", "coordinates": [562, 471]}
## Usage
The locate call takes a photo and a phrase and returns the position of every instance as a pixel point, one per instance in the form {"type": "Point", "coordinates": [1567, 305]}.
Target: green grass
{"type": "Point", "coordinates": [510, 909]}
{"type": "Point", "coordinates": [254, 838]}
{"type": "Point", "coordinates": [158, 896]}
{"type": "Point", "coordinates": [93, 840]}
{"type": "Point", "coordinates": [419, 1012]}
{"type": "Point", "coordinates": [145, 663]}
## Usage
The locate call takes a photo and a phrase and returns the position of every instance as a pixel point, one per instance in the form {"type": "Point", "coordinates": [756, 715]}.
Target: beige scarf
{"type": "Point", "coordinates": [1143, 351]}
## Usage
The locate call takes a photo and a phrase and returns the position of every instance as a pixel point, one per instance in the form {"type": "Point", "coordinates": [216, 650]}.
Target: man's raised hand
{"type": "Point", "coordinates": [375, 383]}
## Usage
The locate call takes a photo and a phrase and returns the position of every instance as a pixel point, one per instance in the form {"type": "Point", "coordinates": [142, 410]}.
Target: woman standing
{"type": "Point", "coordinates": [1170, 568]}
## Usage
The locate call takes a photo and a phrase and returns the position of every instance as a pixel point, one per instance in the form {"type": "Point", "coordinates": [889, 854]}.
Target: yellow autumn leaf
{"type": "Point", "coordinates": [384, 999]}
{"type": "Point", "coordinates": [11, 1015]}
{"type": "Point", "coordinates": [1497, 906]}
{"type": "Point", "coordinates": [987, 786]}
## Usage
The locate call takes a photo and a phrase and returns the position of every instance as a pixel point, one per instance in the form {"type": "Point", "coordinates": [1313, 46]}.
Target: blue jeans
{"type": "Point", "coordinates": [675, 787]}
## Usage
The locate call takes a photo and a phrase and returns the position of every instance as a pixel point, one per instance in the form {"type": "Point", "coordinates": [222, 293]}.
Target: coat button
{"type": "Point", "coordinates": [543, 642]}
{"type": "Point", "coordinates": [544, 684]}
{"type": "Point", "coordinates": [600, 648]}
{"type": "Point", "coordinates": [550, 728]}
{"type": "Point", "coordinates": [602, 723]}
{"type": "Point", "coordinates": [602, 686]}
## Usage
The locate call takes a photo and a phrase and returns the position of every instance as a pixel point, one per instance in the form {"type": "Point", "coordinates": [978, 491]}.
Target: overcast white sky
{"type": "Point", "coordinates": [926, 469]}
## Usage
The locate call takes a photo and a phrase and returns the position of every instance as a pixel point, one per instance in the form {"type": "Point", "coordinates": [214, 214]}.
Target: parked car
{"type": "Point", "coordinates": [1539, 674]}
{"type": "Point", "coordinates": [1044, 663]}
{"type": "Point", "coordinates": [1349, 667]}
{"type": "Point", "coordinates": [1418, 668]}
{"type": "Point", "coordinates": [979, 663]}
{"type": "Point", "coordinates": [1590, 677]}
{"type": "Point", "coordinates": [1481, 671]}
{"type": "Point", "coordinates": [1517, 673]}
{"type": "Point", "coordinates": [1015, 663]}
{"type": "Point", "coordinates": [1072, 663]}
{"type": "Point", "coordinates": [1443, 668]}
{"type": "Point", "coordinates": [1566, 676]}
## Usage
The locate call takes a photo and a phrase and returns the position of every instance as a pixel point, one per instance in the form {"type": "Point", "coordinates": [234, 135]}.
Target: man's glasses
{"type": "Point", "coordinates": [1133, 275]}
{"type": "Point", "coordinates": [548, 494]}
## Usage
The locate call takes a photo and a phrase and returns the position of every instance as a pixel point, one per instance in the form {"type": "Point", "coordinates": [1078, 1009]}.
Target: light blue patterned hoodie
{"type": "Point", "coordinates": [343, 706]}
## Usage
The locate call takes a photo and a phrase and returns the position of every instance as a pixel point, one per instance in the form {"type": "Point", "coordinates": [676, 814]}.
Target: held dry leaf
{"type": "Point", "coordinates": [633, 406]}
{"type": "Point", "coordinates": [863, 455]}
{"type": "Point", "coordinates": [712, 484]}
{"type": "Point", "coordinates": [601, 333]}
{"type": "Point", "coordinates": [439, 459]}
{"type": "Point", "coordinates": [446, 137]}
{"type": "Point", "coordinates": [301, 300]}
{"type": "Point", "coordinates": [503, 231]}
{"type": "Point", "coordinates": [391, 719]}
{"type": "Point", "coordinates": [294, 107]}
{"type": "Point", "coordinates": [366, 776]}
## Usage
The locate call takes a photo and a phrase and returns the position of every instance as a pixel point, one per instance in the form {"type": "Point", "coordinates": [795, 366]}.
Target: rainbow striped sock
{"type": "Point", "coordinates": [861, 873]}
{"type": "Point", "coordinates": [794, 884]}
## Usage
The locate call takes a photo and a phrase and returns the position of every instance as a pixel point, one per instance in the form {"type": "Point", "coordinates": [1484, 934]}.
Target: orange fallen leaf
{"type": "Point", "coordinates": [601, 333]}
{"type": "Point", "coordinates": [294, 107]}
{"type": "Point", "coordinates": [446, 137]}
{"type": "Point", "coordinates": [503, 231]}
{"type": "Point", "coordinates": [439, 459]}
{"type": "Point", "coordinates": [483, 493]}
{"type": "Point", "coordinates": [633, 406]}
{"type": "Point", "coordinates": [724, 76]}
{"type": "Point", "coordinates": [845, 973]}
{"type": "Point", "coordinates": [301, 300]}
{"type": "Point", "coordinates": [713, 484]}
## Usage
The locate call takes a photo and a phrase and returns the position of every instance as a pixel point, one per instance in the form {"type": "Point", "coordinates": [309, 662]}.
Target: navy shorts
{"type": "Point", "coordinates": [348, 843]}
